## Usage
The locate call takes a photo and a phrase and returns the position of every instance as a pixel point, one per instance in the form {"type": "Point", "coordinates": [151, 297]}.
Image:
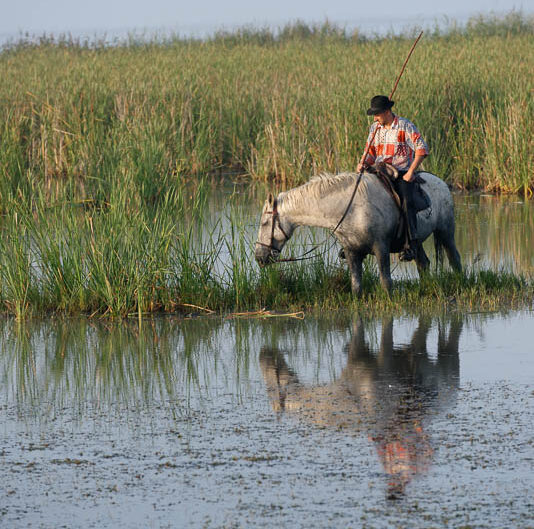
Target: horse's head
{"type": "Point", "coordinates": [274, 232]}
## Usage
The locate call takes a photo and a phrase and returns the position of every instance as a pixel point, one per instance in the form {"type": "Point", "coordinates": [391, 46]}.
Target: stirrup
{"type": "Point", "coordinates": [408, 254]}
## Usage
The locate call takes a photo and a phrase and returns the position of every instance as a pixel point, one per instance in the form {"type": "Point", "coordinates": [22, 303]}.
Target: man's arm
{"type": "Point", "coordinates": [418, 158]}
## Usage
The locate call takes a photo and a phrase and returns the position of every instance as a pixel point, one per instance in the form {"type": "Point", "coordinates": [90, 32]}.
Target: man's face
{"type": "Point", "coordinates": [384, 118]}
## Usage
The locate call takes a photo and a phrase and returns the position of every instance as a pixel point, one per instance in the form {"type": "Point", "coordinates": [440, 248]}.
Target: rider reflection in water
{"type": "Point", "coordinates": [396, 141]}
{"type": "Point", "coordinates": [385, 393]}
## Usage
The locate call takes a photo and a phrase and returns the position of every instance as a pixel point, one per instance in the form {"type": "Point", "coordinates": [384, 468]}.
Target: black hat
{"type": "Point", "coordinates": [379, 104]}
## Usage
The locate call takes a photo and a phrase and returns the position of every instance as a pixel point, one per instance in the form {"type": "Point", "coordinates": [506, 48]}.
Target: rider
{"type": "Point", "coordinates": [399, 143]}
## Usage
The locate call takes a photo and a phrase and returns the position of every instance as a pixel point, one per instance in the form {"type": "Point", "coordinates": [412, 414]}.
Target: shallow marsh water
{"type": "Point", "coordinates": [495, 232]}
{"type": "Point", "coordinates": [412, 421]}
{"type": "Point", "coordinates": [340, 421]}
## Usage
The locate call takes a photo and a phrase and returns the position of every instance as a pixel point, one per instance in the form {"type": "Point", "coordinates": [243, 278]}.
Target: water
{"type": "Point", "coordinates": [340, 420]}
{"type": "Point", "coordinates": [495, 232]}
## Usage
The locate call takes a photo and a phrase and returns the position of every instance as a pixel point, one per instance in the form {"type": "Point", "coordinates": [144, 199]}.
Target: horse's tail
{"type": "Point", "coordinates": [438, 247]}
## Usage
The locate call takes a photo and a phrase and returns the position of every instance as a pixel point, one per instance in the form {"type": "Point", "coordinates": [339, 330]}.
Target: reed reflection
{"type": "Point", "coordinates": [495, 232]}
{"type": "Point", "coordinates": [388, 391]}
{"type": "Point", "coordinates": [84, 365]}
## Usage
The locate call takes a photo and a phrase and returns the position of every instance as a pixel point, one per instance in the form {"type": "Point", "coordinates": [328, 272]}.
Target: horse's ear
{"type": "Point", "coordinates": [270, 199]}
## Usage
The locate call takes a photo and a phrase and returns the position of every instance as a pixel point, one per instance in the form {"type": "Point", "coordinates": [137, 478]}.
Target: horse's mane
{"type": "Point", "coordinates": [319, 186]}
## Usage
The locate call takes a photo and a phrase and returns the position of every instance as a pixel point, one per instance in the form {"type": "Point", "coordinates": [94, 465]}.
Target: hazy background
{"type": "Point", "coordinates": [201, 17]}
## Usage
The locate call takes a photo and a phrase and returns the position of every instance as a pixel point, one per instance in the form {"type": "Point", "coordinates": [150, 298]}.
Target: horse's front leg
{"type": "Point", "coordinates": [384, 268]}
{"type": "Point", "coordinates": [355, 261]}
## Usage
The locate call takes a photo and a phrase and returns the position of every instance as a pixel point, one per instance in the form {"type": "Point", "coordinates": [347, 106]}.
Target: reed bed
{"type": "Point", "coordinates": [77, 117]}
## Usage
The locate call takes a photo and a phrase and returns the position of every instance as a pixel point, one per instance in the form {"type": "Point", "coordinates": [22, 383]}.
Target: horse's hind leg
{"type": "Point", "coordinates": [447, 240]}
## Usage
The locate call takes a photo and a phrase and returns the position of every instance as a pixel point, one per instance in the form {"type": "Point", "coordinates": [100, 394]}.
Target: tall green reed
{"type": "Point", "coordinates": [18, 289]}
{"type": "Point", "coordinates": [277, 107]}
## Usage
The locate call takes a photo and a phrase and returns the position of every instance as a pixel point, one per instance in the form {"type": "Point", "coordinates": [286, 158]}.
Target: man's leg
{"type": "Point", "coordinates": [406, 192]}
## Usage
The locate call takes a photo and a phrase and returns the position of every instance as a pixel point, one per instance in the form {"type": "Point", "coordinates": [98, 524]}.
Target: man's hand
{"type": "Point", "coordinates": [409, 176]}
{"type": "Point", "coordinates": [361, 167]}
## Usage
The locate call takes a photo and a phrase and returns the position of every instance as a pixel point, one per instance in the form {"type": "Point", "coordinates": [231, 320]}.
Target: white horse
{"type": "Point", "coordinates": [370, 225]}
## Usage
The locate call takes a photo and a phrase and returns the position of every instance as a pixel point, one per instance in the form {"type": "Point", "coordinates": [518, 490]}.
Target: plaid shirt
{"type": "Point", "coordinates": [397, 145]}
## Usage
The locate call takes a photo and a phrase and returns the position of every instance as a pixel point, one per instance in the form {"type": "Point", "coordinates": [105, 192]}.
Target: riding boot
{"type": "Point", "coordinates": [406, 192]}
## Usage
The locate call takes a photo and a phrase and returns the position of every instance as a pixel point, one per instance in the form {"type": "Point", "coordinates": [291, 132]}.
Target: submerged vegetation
{"type": "Point", "coordinates": [104, 152]}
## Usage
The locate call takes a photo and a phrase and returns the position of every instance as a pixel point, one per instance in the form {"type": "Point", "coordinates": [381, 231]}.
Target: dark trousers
{"type": "Point", "coordinates": [406, 192]}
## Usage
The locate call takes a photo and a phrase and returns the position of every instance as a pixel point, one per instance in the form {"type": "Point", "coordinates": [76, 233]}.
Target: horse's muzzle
{"type": "Point", "coordinates": [265, 255]}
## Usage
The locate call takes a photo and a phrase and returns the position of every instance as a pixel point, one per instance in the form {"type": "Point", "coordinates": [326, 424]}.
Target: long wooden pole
{"type": "Point", "coordinates": [404, 65]}
{"type": "Point", "coordinates": [368, 146]}
{"type": "Point", "coordinates": [366, 152]}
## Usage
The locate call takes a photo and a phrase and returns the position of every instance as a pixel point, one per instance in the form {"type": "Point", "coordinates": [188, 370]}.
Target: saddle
{"type": "Point", "coordinates": [387, 174]}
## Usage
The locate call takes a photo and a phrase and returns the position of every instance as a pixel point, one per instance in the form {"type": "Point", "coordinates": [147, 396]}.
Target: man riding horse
{"type": "Point", "coordinates": [358, 208]}
{"type": "Point", "coordinates": [396, 141]}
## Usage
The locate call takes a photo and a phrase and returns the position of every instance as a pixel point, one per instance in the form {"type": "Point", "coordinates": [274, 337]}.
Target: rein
{"type": "Point", "coordinates": [302, 258]}
{"type": "Point", "coordinates": [274, 212]}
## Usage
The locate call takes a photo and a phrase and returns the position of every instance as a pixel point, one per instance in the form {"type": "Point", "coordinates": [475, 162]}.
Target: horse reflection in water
{"type": "Point", "coordinates": [390, 393]}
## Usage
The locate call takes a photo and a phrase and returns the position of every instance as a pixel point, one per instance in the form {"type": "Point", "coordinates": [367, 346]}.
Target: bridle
{"type": "Point", "coordinates": [275, 219]}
